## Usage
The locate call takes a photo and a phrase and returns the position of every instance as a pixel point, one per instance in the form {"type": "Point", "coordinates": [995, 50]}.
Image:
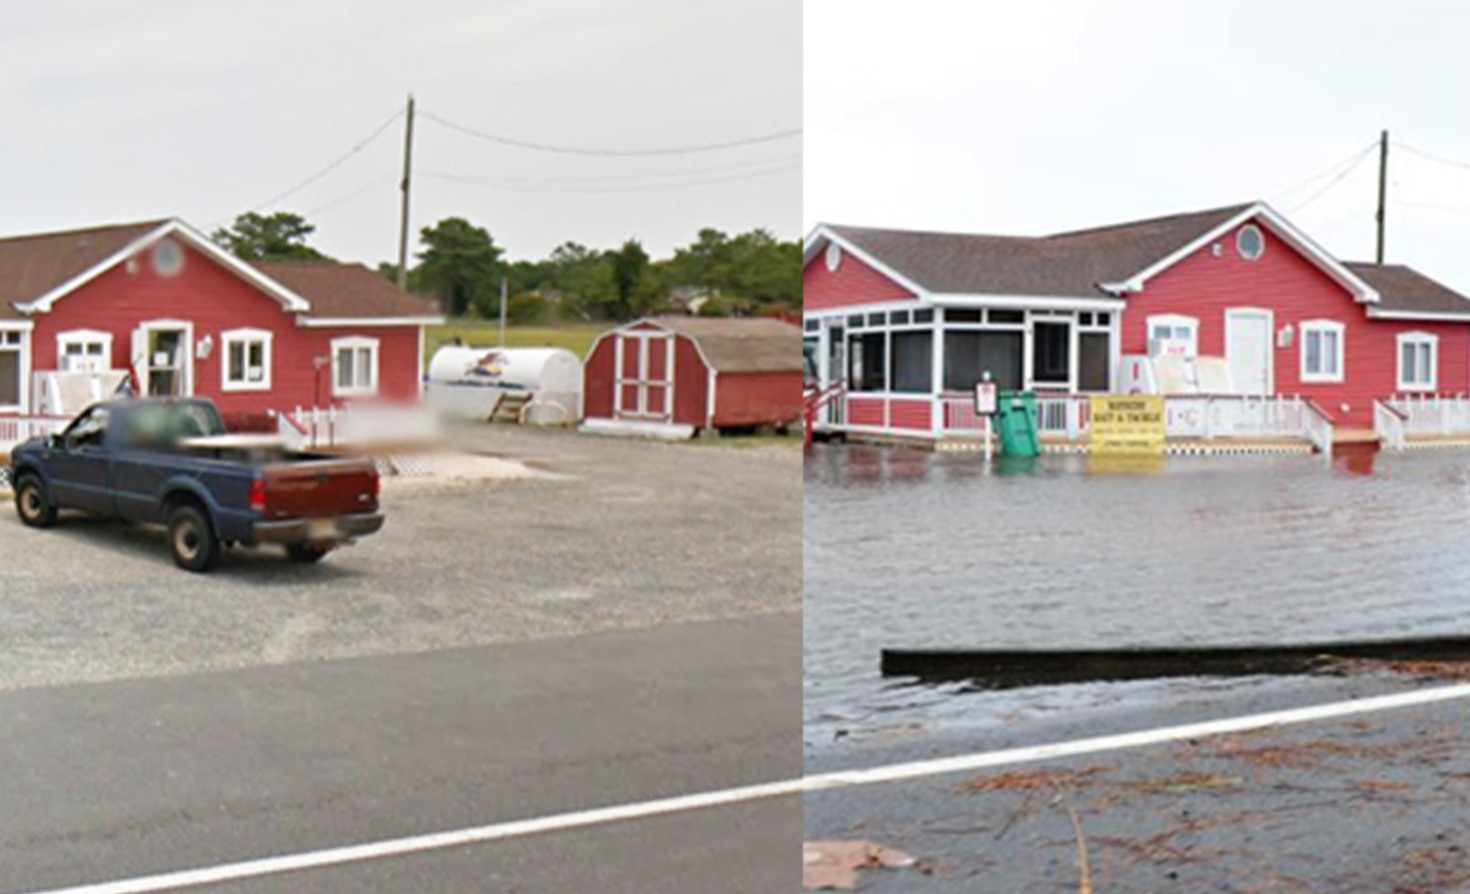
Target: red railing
{"type": "Point", "coordinates": [815, 400]}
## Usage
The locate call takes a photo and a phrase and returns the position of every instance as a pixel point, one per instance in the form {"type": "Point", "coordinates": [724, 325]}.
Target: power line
{"type": "Point", "coordinates": [634, 181]}
{"type": "Point", "coordinates": [512, 186]}
{"type": "Point", "coordinates": [1431, 156]}
{"type": "Point", "coordinates": [619, 153]}
{"type": "Point", "coordinates": [1334, 181]}
{"type": "Point", "coordinates": [1351, 159]}
{"type": "Point", "coordinates": [356, 193]}
{"type": "Point", "coordinates": [363, 144]}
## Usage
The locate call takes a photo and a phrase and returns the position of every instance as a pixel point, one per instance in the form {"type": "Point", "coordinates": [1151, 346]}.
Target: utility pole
{"type": "Point", "coordinates": [504, 292]}
{"type": "Point", "coordinates": [407, 181]}
{"type": "Point", "coordinates": [1382, 191]}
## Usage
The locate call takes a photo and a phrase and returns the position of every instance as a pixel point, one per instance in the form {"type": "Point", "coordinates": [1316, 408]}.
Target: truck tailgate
{"type": "Point", "coordinates": [318, 488]}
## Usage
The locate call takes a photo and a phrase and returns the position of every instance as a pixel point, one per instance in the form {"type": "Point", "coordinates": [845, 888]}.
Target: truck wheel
{"type": "Point", "coordinates": [305, 553]}
{"type": "Point", "coordinates": [35, 508]}
{"type": "Point", "coordinates": [191, 539]}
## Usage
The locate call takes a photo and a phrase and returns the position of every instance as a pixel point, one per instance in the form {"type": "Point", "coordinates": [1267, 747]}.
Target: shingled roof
{"type": "Point", "coordinates": [34, 266]}
{"type": "Point", "coordinates": [31, 266]}
{"type": "Point", "coordinates": [338, 290]}
{"type": "Point", "coordinates": [1405, 290]}
{"type": "Point", "coordinates": [740, 345]}
{"type": "Point", "coordinates": [1068, 264]}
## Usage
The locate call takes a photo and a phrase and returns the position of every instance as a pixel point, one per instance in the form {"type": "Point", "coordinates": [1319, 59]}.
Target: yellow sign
{"type": "Point", "coordinates": [1127, 423]}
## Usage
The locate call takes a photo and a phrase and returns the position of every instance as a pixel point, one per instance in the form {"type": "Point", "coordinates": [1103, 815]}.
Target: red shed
{"type": "Point", "coordinates": [687, 373]}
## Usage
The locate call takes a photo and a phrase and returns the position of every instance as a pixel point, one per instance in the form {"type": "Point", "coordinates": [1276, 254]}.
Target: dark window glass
{"type": "Point", "coordinates": [913, 362]}
{"type": "Point", "coordinates": [1051, 352]}
{"type": "Point", "coordinates": [811, 325]}
{"type": "Point", "coordinates": [899, 318]}
{"type": "Point", "coordinates": [1007, 316]}
{"type": "Point", "coordinates": [875, 319]}
{"type": "Point", "coordinates": [1085, 319]}
{"type": "Point", "coordinates": [855, 322]}
{"type": "Point", "coordinates": [965, 316]}
{"type": "Point", "coordinates": [1104, 319]}
{"type": "Point", "coordinates": [924, 316]}
{"type": "Point", "coordinates": [1093, 361]}
{"type": "Point", "coordinates": [10, 378]}
{"type": "Point", "coordinates": [867, 363]}
{"type": "Point", "coordinates": [969, 355]}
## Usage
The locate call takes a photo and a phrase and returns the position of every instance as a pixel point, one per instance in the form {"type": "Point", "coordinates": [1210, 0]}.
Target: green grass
{"type": "Point", "coordinates": [576, 338]}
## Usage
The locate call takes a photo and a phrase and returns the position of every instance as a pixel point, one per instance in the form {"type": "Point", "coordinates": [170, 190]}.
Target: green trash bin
{"type": "Point", "coordinates": [1015, 416]}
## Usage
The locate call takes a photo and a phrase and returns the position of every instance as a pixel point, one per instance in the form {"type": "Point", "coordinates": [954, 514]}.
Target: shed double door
{"type": "Point", "coordinates": [645, 379]}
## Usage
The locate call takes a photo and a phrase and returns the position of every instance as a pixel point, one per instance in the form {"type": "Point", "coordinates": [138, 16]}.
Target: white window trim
{"type": "Point", "coordinates": [83, 337]}
{"type": "Point", "coordinates": [246, 337]}
{"type": "Point", "coordinates": [24, 349]}
{"type": "Point", "coordinates": [1416, 338]}
{"type": "Point", "coordinates": [142, 364]}
{"type": "Point", "coordinates": [1323, 326]}
{"type": "Point", "coordinates": [355, 342]}
{"type": "Point", "coordinates": [1174, 321]}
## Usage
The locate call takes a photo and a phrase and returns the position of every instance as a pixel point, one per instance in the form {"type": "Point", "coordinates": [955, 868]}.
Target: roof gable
{"type": "Point", "coordinates": [1098, 262]}
{"type": "Point", "coordinates": [48, 267]}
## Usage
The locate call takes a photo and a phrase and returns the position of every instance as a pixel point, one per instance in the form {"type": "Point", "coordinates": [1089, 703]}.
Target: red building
{"type": "Point", "coordinates": [1233, 313]}
{"type": "Point", "coordinates": [689, 373]}
{"type": "Point", "coordinates": [161, 301]}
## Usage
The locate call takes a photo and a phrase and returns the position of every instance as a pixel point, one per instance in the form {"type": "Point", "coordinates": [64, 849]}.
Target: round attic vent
{"type": "Point", "coordinates": [1249, 242]}
{"type": "Point", "coordinates": [834, 256]}
{"type": "Point", "coordinates": [168, 258]}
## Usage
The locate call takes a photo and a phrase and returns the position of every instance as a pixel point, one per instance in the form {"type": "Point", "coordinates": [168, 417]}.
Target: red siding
{"type": "Point", "coordinates": [865, 411]}
{"type": "Point", "coordinates": [913, 415]}
{"type": "Point", "coordinates": [749, 399]}
{"type": "Point", "coordinates": [1285, 282]}
{"type": "Point", "coordinates": [215, 300]}
{"type": "Point", "coordinates": [854, 283]}
{"type": "Point", "coordinates": [691, 384]}
{"type": "Point", "coordinates": [597, 379]}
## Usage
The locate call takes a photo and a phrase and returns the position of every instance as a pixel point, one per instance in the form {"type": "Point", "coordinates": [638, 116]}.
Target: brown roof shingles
{"type": "Point", "coordinates": [1064, 265]}
{"type": "Point", "coordinates": [336, 290]}
{"type": "Point", "coordinates": [1404, 289]}
{"type": "Point", "coordinates": [742, 345]}
{"type": "Point", "coordinates": [31, 266]}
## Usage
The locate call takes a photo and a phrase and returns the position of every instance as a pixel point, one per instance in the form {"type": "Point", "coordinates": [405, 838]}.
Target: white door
{"type": "Point", "coordinates": [1248, 349]}
{"type": "Point", "coordinates": [645, 376]}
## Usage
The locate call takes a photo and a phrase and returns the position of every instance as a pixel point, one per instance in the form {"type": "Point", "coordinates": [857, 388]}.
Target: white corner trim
{"type": "Point", "coordinates": [310, 321]}
{"type": "Point", "coordinates": [1322, 326]}
{"type": "Point", "coordinates": [246, 336]}
{"type": "Point", "coordinates": [355, 342]}
{"type": "Point", "coordinates": [1282, 228]}
{"type": "Point", "coordinates": [287, 298]}
{"type": "Point", "coordinates": [822, 231]}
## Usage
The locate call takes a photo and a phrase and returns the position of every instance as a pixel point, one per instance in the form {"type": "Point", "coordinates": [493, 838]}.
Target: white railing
{"type": "Point", "coordinates": [15, 429]}
{"type": "Point", "coordinates": [1318, 428]}
{"type": "Point", "coordinates": [1433, 414]}
{"type": "Point", "coordinates": [1388, 424]}
{"type": "Point", "coordinates": [1063, 416]}
{"type": "Point", "coordinates": [358, 426]}
{"type": "Point", "coordinates": [1210, 416]}
{"type": "Point", "coordinates": [958, 416]}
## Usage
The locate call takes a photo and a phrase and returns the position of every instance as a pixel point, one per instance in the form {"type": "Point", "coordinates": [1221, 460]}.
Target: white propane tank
{"type": "Point", "coordinates": [467, 382]}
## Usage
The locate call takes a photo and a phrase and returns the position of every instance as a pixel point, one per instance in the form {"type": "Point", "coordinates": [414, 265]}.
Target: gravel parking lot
{"type": "Point", "coordinates": [612, 534]}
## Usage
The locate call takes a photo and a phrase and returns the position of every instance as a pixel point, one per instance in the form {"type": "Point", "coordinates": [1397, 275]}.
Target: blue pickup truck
{"type": "Point", "coordinates": [171, 462]}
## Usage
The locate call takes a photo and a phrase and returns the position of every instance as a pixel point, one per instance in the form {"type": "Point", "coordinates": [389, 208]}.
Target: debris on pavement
{"type": "Point", "coordinates": [834, 865]}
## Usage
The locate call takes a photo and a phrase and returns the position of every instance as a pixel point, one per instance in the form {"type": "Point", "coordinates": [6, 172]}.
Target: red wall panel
{"type": "Point", "coordinates": [854, 282]}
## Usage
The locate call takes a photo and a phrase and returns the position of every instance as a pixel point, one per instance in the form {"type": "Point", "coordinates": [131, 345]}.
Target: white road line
{"type": "Point", "coordinates": [816, 783]}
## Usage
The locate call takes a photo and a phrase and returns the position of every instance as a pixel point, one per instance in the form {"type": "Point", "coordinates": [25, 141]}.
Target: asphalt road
{"type": "Point", "coordinates": [624, 628]}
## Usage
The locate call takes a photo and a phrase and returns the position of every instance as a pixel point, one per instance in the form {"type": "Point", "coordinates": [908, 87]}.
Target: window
{"type": "Point", "coordinates": [1322, 351]}
{"type": "Point", "coordinates": [968, 356]}
{"type": "Point", "coordinates": [913, 362]}
{"type": "Point", "coordinates": [354, 366]}
{"type": "Point", "coordinates": [1418, 361]}
{"type": "Point", "coordinates": [1008, 316]}
{"type": "Point", "coordinates": [12, 373]}
{"type": "Point", "coordinates": [245, 360]}
{"type": "Point", "coordinates": [1249, 242]}
{"type": "Point", "coordinates": [867, 363]}
{"type": "Point", "coordinates": [83, 349]}
{"type": "Point", "coordinates": [1172, 334]}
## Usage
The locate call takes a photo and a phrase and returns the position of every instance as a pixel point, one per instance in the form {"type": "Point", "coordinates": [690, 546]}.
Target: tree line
{"type": "Point", "coordinates": [460, 265]}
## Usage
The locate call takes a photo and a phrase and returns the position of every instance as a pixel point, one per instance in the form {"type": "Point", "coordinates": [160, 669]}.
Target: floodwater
{"type": "Point", "coordinates": [917, 549]}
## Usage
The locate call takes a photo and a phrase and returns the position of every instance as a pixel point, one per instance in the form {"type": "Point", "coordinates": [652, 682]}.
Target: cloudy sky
{"type": "Point", "coordinates": [202, 110]}
{"type": "Point", "coordinates": [1038, 117]}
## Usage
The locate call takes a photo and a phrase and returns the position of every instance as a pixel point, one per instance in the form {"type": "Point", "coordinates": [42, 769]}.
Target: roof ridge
{"type": "Point", "coordinates": [78, 231]}
{"type": "Point", "coordinates": [912, 232]}
{"type": "Point", "coordinates": [1164, 218]}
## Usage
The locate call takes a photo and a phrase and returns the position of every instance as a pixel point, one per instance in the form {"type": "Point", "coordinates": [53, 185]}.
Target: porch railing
{"type": "Point", "coordinates": [1431, 415]}
{"type": "Point", "coordinates": [1389, 423]}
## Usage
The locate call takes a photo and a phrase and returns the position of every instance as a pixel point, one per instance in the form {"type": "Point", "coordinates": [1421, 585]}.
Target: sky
{"type": "Point", "coordinates": [1031, 118]}
{"type": "Point", "coordinates": [203, 110]}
